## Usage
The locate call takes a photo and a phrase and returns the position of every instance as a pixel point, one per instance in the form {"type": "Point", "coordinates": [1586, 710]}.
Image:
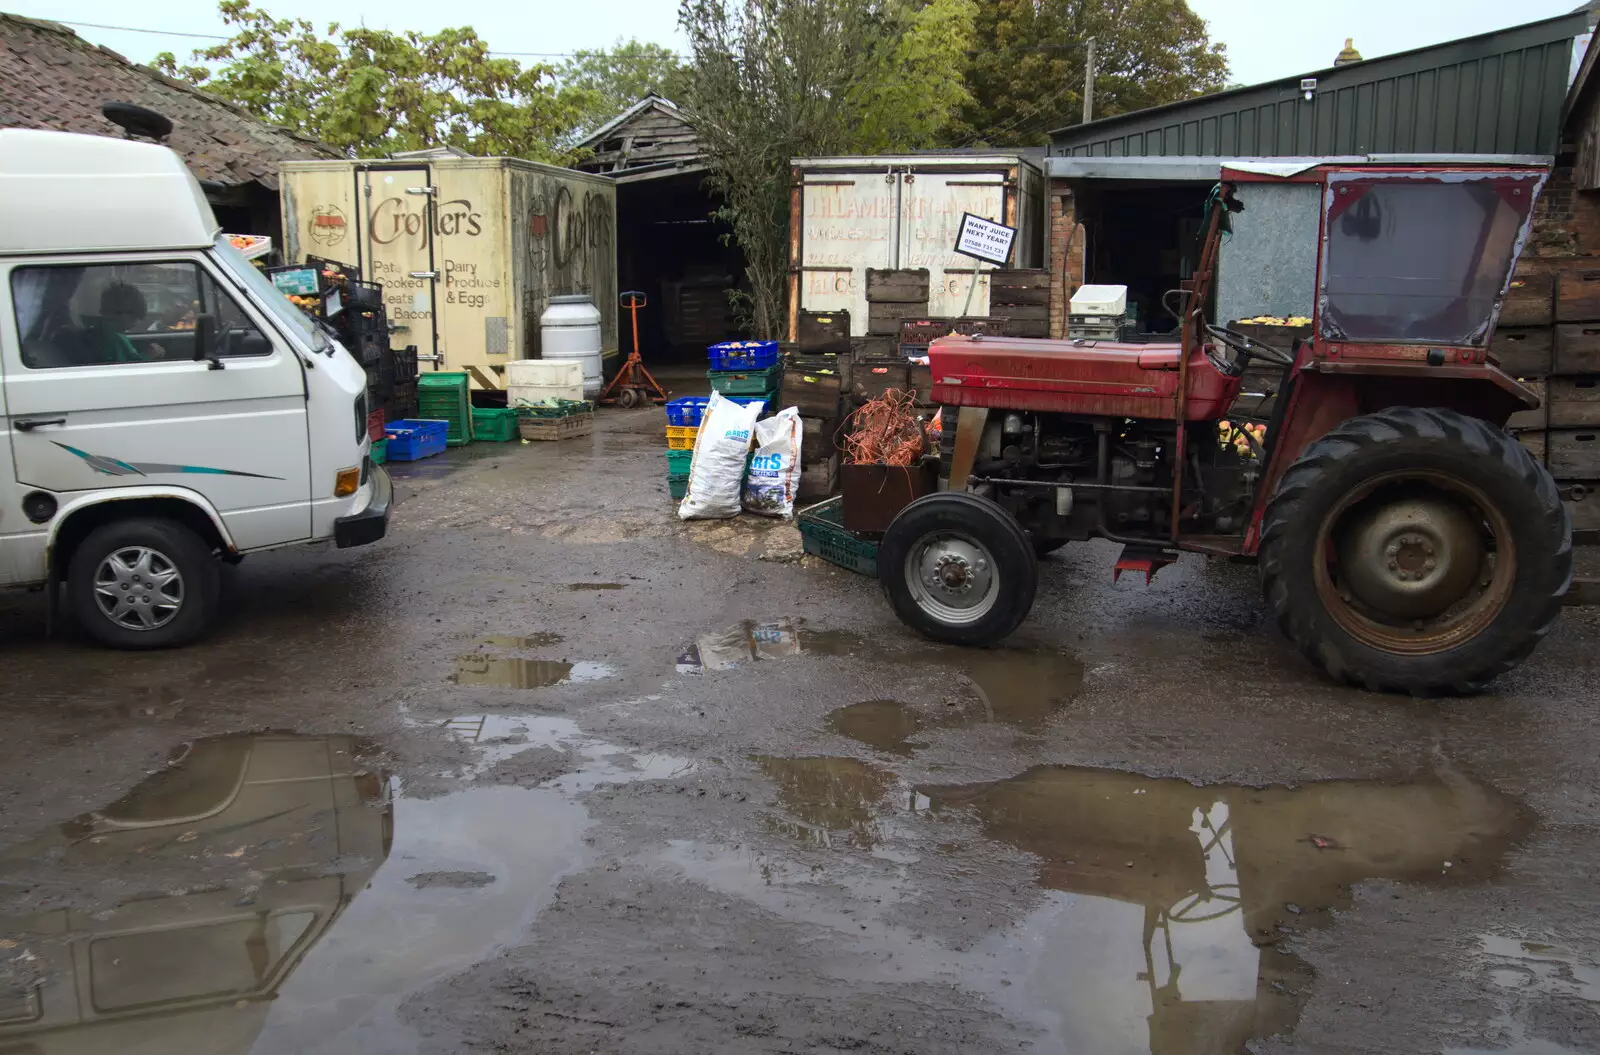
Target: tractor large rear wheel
{"type": "Point", "coordinates": [958, 569]}
{"type": "Point", "coordinates": [1419, 551]}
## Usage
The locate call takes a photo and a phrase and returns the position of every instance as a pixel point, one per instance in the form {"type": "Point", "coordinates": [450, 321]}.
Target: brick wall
{"type": "Point", "coordinates": [1066, 255]}
{"type": "Point", "coordinates": [1566, 221]}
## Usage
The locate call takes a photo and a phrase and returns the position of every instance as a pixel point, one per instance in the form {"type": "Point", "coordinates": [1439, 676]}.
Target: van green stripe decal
{"type": "Point", "coordinates": [101, 463]}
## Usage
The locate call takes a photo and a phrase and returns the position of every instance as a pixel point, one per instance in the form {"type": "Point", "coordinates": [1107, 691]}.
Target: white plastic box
{"type": "Point", "coordinates": [1100, 300]}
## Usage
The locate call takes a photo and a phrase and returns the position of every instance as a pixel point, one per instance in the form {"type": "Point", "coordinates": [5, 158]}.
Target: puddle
{"type": "Point", "coordinates": [269, 894]}
{"type": "Point", "coordinates": [1163, 913]}
{"type": "Point", "coordinates": [542, 640]}
{"type": "Point", "coordinates": [835, 801]}
{"type": "Point", "coordinates": [1018, 686]}
{"type": "Point", "coordinates": [1539, 967]}
{"type": "Point", "coordinates": [1168, 902]}
{"type": "Point", "coordinates": [887, 725]}
{"type": "Point", "coordinates": [480, 670]}
{"type": "Point", "coordinates": [578, 586]}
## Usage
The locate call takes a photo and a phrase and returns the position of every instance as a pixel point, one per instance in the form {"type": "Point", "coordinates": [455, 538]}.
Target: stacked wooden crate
{"type": "Point", "coordinates": [816, 379]}
{"type": "Point", "coordinates": [1022, 298]}
{"type": "Point", "coordinates": [893, 297]}
{"type": "Point", "coordinates": [1549, 336]}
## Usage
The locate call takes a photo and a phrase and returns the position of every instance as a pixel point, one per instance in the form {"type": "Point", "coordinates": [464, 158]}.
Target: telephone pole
{"type": "Point", "coordinates": [1088, 84]}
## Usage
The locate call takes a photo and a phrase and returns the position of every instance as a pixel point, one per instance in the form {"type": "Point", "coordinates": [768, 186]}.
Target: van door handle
{"type": "Point", "coordinates": [29, 424]}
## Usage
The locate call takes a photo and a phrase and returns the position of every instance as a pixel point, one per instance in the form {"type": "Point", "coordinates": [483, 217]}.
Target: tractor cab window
{"type": "Point", "coordinates": [1419, 259]}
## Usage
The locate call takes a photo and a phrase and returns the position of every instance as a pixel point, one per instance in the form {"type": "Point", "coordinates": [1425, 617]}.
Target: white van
{"type": "Point", "coordinates": [163, 406]}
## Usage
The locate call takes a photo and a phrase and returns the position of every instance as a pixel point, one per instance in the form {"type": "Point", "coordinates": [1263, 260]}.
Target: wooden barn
{"type": "Point", "coordinates": [670, 243]}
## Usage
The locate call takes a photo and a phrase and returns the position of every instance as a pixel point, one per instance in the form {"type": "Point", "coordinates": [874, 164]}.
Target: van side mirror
{"type": "Point", "coordinates": [205, 340]}
{"type": "Point", "coordinates": [205, 335]}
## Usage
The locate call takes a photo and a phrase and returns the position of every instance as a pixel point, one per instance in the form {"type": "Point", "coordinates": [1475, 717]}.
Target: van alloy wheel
{"type": "Point", "coordinates": [138, 588]}
{"type": "Point", "coordinates": [144, 582]}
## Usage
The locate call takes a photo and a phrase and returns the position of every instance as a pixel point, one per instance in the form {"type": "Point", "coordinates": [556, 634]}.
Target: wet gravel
{"type": "Point", "coordinates": [548, 770]}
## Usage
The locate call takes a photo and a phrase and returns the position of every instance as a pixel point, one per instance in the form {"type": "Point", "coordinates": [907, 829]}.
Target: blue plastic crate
{"type": "Point", "coordinates": [412, 439]}
{"type": "Point", "coordinates": [686, 411]}
{"type": "Point", "coordinates": [743, 355]}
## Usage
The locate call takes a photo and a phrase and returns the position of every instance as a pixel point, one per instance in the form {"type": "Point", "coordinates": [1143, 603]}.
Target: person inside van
{"type": "Point", "coordinates": [122, 309]}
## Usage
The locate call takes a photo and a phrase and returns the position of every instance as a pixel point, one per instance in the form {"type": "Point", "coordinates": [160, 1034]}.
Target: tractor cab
{"type": "Point", "coordinates": [1406, 540]}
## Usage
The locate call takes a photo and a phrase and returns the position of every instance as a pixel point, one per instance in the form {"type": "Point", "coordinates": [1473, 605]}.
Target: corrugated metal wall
{"type": "Point", "coordinates": [1497, 94]}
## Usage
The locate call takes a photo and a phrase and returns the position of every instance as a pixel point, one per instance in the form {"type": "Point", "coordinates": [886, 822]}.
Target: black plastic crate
{"type": "Point", "coordinates": [367, 320]}
{"type": "Point", "coordinates": [363, 295]}
{"type": "Point", "coordinates": [403, 362]}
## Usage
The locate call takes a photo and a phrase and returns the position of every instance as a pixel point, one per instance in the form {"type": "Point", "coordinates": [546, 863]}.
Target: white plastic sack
{"type": "Point", "coordinates": [774, 474]}
{"type": "Point", "coordinates": [716, 475]}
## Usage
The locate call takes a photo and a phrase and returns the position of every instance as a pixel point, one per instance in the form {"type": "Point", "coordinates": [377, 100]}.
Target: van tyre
{"type": "Point", "coordinates": [958, 568]}
{"type": "Point", "coordinates": [143, 583]}
{"type": "Point", "coordinates": [1394, 514]}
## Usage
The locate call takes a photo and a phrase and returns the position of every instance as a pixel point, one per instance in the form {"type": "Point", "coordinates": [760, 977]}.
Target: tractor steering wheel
{"type": "Point", "coordinates": [1245, 348]}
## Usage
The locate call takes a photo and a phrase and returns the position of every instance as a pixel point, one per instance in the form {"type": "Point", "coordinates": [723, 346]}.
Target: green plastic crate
{"type": "Point", "coordinates": [822, 534]}
{"type": "Point", "coordinates": [493, 424]}
{"type": "Point", "coordinates": [745, 382]}
{"type": "Point", "coordinates": [380, 451]}
{"type": "Point", "coordinates": [444, 396]}
{"type": "Point", "coordinates": [677, 486]}
{"type": "Point", "coordinates": [678, 462]}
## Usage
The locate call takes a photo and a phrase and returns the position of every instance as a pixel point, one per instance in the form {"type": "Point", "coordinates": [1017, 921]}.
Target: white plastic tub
{"type": "Point", "coordinates": [548, 372]}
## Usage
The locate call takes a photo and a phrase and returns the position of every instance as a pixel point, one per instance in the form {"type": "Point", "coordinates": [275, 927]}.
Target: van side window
{"type": "Point", "coordinates": [103, 314]}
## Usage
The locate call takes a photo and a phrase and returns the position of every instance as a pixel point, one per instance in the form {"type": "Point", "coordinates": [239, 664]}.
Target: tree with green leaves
{"type": "Point", "coordinates": [372, 92]}
{"type": "Point", "coordinates": [606, 81]}
{"type": "Point", "coordinates": [772, 80]}
{"type": "Point", "coordinates": [1027, 70]}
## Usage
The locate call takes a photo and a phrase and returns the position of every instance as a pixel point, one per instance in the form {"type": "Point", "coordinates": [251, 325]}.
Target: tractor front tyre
{"type": "Point", "coordinates": [1415, 550]}
{"type": "Point", "coordinates": [958, 569]}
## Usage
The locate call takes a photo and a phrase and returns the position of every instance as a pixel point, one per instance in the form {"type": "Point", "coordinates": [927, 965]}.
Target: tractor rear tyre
{"type": "Point", "coordinates": [1416, 550]}
{"type": "Point", "coordinates": [958, 569]}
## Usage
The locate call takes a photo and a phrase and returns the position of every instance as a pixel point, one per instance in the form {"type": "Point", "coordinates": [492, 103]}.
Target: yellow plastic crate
{"type": "Point", "coordinates": [681, 437]}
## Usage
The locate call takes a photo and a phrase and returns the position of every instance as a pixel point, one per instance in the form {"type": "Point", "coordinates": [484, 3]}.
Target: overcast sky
{"type": "Point", "coordinates": [1266, 39]}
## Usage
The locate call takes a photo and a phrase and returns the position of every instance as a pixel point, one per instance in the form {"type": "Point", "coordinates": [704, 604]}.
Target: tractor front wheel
{"type": "Point", "coordinates": [1419, 551]}
{"type": "Point", "coordinates": [958, 569]}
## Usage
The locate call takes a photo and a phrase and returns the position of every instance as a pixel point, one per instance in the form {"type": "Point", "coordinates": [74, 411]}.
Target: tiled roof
{"type": "Point", "coordinates": [52, 78]}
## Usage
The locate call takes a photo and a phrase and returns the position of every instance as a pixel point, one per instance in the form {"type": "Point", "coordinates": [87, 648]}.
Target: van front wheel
{"type": "Point", "coordinates": [143, 583]}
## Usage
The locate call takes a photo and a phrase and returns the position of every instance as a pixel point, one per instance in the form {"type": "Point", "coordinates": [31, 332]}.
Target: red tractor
{"type": "Point", "coordinates": [1406, 541]}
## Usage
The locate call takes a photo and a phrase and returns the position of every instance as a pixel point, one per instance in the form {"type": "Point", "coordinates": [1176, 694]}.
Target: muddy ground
{"type": "Point", "coordinates": [547, 771]}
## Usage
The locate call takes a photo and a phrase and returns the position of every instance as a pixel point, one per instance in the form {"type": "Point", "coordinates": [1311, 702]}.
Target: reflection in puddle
{"type": "Point", "coordinates": [1167, 900]}
{"type": "Point", "coordinates": [479, 669]}
{"type": "Point", "coordinates": [829, 801]}
{"type": "Point", "coordinates": [884, 724]}
{"type": "Point", "coordinates": [594, 585]}
{"type": "Point", "coordinates": [237, 860]}
{"type": "Point", "coordinates": [1510, 963]}
{"type": "Point", "coordinates": [541, 640]}
{"type": "Point", "coordinates": [1018, 686]}
{"type": "Point", "coordinates": [248, 911]}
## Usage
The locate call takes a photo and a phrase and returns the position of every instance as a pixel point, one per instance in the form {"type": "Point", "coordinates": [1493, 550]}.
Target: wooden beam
{"type": "Point", "coordinates": [1584, 592]}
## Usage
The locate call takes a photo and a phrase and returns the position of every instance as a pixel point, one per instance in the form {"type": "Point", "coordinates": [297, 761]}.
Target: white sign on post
{"type": "Point", "coordinates": [985, 240]}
